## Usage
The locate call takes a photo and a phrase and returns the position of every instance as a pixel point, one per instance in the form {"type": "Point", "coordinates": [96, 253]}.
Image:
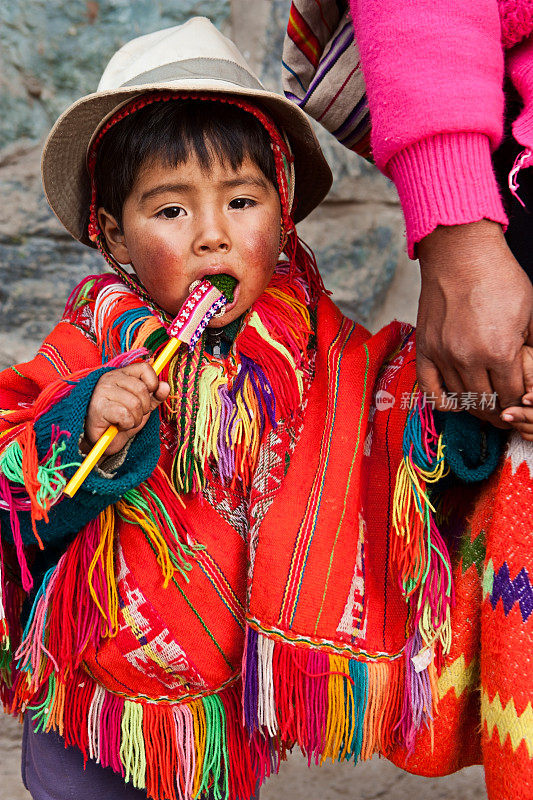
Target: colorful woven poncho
{"type": "Point", "coordinates": [282, 557]}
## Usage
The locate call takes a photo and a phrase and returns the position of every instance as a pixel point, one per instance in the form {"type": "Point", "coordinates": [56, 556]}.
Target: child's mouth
{"type": "Point", "coordinates": [229, 306]}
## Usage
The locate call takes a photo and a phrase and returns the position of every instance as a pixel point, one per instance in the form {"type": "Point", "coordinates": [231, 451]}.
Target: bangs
{"type": "Point", "coordinates": [171, 132]}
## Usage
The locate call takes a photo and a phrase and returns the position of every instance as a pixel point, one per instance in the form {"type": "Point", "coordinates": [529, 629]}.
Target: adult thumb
{"type": "Point", "coordinates": [527, 361]}
{"type": "Point", "coordinates": [429, 379]}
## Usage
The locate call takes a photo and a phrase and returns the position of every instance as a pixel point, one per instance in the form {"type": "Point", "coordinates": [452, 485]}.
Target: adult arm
{"type": "Point", "coordinates": [434, 74]}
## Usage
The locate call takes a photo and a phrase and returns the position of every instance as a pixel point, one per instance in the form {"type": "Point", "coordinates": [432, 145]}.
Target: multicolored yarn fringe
{"type": "Point", "coordinates": [220, 408]}
{"type": "Point", "coordinates": [332, 706]}
{"type": "Point", "coordinates": [173, 751]}
{"type": "Point", "coordinates": [28, 483]}
{"type": "Point", "coordinates": [423, 563]}
{"type": "Point", "coordinates": [53, 643]}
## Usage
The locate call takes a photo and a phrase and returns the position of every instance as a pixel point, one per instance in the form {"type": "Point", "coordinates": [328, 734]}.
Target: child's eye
{"type": "Point", "coordinates": [171, 212]}
{"type": "Point", "coordinates": [242, 202]}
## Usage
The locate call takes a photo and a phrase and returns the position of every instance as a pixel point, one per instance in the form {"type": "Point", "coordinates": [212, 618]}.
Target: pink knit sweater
{"type": "Point", "coordinates": [434, 73]}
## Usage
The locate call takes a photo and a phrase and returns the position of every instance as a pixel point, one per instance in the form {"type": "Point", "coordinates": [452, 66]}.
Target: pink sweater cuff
{"type": "Point", "coordinates": [446, 179]}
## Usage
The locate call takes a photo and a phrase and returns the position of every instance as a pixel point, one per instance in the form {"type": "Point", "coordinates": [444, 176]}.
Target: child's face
{"type": "Point", "coordinates": [182, 223]}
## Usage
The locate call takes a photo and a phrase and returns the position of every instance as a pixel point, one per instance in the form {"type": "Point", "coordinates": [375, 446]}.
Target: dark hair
{"type": "Point", "coordinates": [170, 131]}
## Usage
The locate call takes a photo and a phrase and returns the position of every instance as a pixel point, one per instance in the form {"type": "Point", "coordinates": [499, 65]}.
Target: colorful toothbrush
{"type": "Point", "coordinates": [207, 298]}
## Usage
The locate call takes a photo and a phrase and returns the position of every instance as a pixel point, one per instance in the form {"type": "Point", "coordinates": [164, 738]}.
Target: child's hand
{"type": "Point", "coordinates": [123, 397]}
{"type": "Point", "coordinates": [521, 417]}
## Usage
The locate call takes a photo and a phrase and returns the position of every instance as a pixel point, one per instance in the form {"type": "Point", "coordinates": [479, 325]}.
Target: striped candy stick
{"type": "Point", "coordinates": [206, 299]}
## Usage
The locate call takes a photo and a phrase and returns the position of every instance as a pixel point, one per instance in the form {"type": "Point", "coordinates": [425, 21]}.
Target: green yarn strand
{"type": "Point", "coordinates": [216, 757]}
{"type": "Point", "coordinates": [136, 498]}
{"type": "Point", "coordinates": [49, 475]}
{"type": "Point", "coordinates": [132, 750]}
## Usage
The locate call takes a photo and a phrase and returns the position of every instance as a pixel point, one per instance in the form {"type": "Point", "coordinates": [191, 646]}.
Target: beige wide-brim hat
{"type": "Point", "coordinates": [191, 57]}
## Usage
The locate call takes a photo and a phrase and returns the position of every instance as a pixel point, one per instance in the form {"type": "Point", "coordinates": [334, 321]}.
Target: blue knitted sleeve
{"type": "Point", "coordinates": [67, 516]}
{"type": "Point", "coordinates": [472, 448]}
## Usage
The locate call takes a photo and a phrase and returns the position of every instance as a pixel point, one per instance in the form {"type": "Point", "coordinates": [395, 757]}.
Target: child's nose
{"type": "Point", "coordinates": [212, 236]}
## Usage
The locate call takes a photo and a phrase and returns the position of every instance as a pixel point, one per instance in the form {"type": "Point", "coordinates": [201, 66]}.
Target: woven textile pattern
{"type": "Point", "coordinates": [322, 71]}
{"type": "Point", "coordinates": [507, 628]}
{"type": "Point", "coordinates": [309, 602]}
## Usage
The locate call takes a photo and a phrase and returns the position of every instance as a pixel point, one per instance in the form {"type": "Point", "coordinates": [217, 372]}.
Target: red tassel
{"type": "Point", "coordinates": [242, 777]}
{"type": "Point", "coordinates": [391, 711]}
{"type": "Point", "coordinates": [74, 620]}
{"type": "Point", "coordinates": [161, 750]}
{"type": "Point", "coordinates": [284, 692]}
{"type": "Point", "coordinates": [109, 733]}
{"type": "Point", "coordinates": [79, 696]}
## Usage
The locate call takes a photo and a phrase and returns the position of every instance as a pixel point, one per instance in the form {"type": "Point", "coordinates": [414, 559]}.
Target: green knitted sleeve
{"type": "Point", "coordinates": [472, 448]}
{"type": "Point", "coordinates": [67, 515]}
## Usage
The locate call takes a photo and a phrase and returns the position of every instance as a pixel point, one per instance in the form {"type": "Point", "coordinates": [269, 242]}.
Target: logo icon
{"type": "Point", "coordinates": [384, 400]}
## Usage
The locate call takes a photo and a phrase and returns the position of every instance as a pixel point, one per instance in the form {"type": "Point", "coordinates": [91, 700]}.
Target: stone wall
{"type": "Point", "coordinates": [53, 52]}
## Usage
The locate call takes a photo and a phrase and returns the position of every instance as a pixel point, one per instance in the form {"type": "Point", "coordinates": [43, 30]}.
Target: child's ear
{"type": "Point", "coordinates": [114, 237]}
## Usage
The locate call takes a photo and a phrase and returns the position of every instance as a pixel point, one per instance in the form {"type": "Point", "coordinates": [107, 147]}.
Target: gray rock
{"type": "Point", "coordinates": [24, 211]}
{"type": "Point", "coordinates": [54, 52]}
{"type": "Point", "coordinates": [38, 275]}
{"type": "Point", "coordinates": [357, 248]}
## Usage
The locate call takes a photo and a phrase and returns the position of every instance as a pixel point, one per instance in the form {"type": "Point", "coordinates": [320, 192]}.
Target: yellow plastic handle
{"type": "Point", "coordinates": [106, 438]}
{"type": "Point", "coordinates": [90, 460]}
{"type": "Point", "coordinates": [165, 355]}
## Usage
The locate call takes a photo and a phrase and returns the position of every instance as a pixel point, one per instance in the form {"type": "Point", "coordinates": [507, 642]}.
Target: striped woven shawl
{"type": "Point", "coordinates": [187, 641]}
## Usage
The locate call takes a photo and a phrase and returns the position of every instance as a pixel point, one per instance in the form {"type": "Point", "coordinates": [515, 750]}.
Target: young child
{"type": "Point", "coordinates": [219, 589]}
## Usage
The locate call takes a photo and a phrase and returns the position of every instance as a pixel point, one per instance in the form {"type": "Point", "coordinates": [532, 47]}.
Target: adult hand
{"type": "Point", "coordinates": [475, 313]}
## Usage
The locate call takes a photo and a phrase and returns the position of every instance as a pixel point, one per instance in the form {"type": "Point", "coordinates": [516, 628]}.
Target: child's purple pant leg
{"type": "Point", "coordinates": [51, 771]}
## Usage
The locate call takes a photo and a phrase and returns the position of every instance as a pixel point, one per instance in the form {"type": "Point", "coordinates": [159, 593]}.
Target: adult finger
{"type": "Point", "coordinates": [441, 384]}
{"type": "Point", "coordinates": [454, 388]}
{"type": "Point", "coordinates": [527, 367]}
{"type": "Point", "coordinates": [480, 397]}
{"type": "Point", "coordinates": [149, 377]}
{"type": "Point", "coordinates": [512, 375]}
{"type": "Point", "coordinates": [508, 382]}
{"type": "Point", "coordinates": [160, 395]}
{"type": "Point", "coordinates": [429, 379]}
